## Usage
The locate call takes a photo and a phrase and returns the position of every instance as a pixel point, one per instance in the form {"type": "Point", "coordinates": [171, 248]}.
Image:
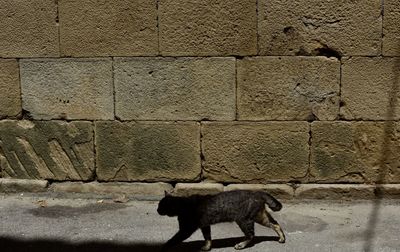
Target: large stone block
{"type": "Point", "coordinates": [288, 88]}
{"type": "Point", "coordinates": [10, 94]}
{"type": "Point", "coordinates": [108, 28]}
{"type": "Point", "coordinates": [208, 28]}
{"type": "Point", "coordinates": [28, 28]}
{"type": "Point", "coordinates": [391, 28]}
{"type": "Point", "coordinates": [148, 151]}
{"type": "Point", "coordinates": [370, 88]}
{"type": "Point", "coordinates": [355, 152]}
{"type": "Point", "coordinates": [67, 88]}
{"type": "Point", "coordinates": [175, 89]}
{"type": "Point", "coordinates": [255, 152]}
{"type": "Point", "coordinates": [46, 150]}
{"type": "Point", "coordinates": [315, 27]}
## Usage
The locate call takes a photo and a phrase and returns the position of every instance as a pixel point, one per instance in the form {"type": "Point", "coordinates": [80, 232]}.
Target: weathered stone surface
{"type": "Point", "coordinates": [67, 88]}
{"type": "Point", "coordinates": [208, 28]}
{"type": "Point", "coordinates": [148, 151]}
{"type": "Point", "coordinates": [22, 185]}
{"type": "Point", "coordinates": [175, 89]}
{"type": "Point", "coordinates": [255, 152]}
{"type": "Point", "coordinates": [280, 191]}
{"type": "Point", "coordinates": [391, 28]}
{"type": "Point", "coordinates": [334, 191]}
{"type": "Point", "coordinates": [368, 85]}
{"type": "Point", "coordinates": [315, 27]}
{"type": "Point", "coordinates": [28, 28]}
{"type": "Point", "coordinates": [129, 189]}
{"type": "Point", "coordinates": [46, 150]}
{"type": "Point", "coordinates": [108, 28]}
{"type": "Point", "coordinates": [288, 88]}
{"type": "Point", "coordinates": [10, 94]}
{"type": "Point", "coordinates": [187, 189]}
{"type": "Point", "coordinates": [355, 152]}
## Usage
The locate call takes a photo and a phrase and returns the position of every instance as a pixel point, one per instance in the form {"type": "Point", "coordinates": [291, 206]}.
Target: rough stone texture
{"type": "Point", "coordinates": [28, 28]}
{"type": "Point", "coordinates": [175, 89]}
{"type": "Point", "coordinates": [22, 185]}
{"type": "Point", "coordinates": [316, 27]}
{"type": "Point", "coordinates": [391, 28]}
{"type": "Point", "coordinates": [255, 152]}
{"type": "Point", "coordinates": [368, 85]}
{"type": "Point", "coordinates": [280, 191]}
{"type": "Point", "coordinates": [10, 94]}
{"type": "Point", "coordinates": [108, 28]}
{"type": "Point", "coordinates": [129, 189]}
{"type": "Point", "coordinates": [288, 88]}
{"type": "Point", "coordinates": [187, 189]}
{"type": "Point", "coordinates": [67, 88]}
{"type": "Point", "coordinates": [334, 191]}
{"type": "Point", "coordinates": [147, 151]}
{"type": "Point", "coordinates": [46, 150]}
{"type": "Point", "coordinates": [208, 28]}
{"type": "Point", "coordinates": [355, 152]}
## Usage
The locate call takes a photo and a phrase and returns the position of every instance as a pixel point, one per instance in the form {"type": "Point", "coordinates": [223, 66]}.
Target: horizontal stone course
{"type": "Point", "coordinates": [187, 189]}
{"type": "Point", "coordinates": [208, 27]}
{"type": "Point", "coordinates": [255, 152]}
{"type": "Point", "coordinates": [279, 191]}
{"type": "Point", "coordinates": [288, 88]}
{"type": "Point", "coordinates": [53, 150]}
{"type": "Point", "coordinates": [335, 192]}
{"type": "Point", "coordinates": [10, 93]}
{"type": "Point", "coordinates": [135, 190]}
{"type": "Point", "coordinates": [22, 185]}
{"type": "Point", "coordinates": [73, 89]}
{"type": "Point", "coordinates": [147, 151]}
{"type": "Point", "coordinates": [175, 89]}
{"type": "Point", "coordinates": [90, 28]}
{"type": "Point", "coordinates": [355, 152]}
{"type": "Point", "coordinates": [315, 27]}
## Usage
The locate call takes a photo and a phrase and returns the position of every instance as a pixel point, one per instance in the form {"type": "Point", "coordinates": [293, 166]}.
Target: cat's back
{"type": "Point", "coordinates": [227, 206]}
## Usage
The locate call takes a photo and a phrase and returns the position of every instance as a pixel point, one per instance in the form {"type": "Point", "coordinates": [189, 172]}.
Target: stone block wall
{"type": "Point", "coordinates": [239, 91]}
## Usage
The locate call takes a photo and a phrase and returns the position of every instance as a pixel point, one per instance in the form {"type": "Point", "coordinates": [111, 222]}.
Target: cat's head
{"type": "Point", "coordinates": [169, 205]}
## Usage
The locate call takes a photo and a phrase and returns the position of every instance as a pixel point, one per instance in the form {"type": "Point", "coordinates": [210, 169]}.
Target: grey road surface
{"type": "Point", "coordinates": [43, 223]}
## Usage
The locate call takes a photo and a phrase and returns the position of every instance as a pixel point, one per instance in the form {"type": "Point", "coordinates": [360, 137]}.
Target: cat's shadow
{"type": "Point", "coordinates": [23, 245]}
{"type": "Point", "coordinates": [224, 243]}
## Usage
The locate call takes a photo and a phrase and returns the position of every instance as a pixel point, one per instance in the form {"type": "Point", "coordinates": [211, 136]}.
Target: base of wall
{"type": "Point", "coordinates": [155, 191]}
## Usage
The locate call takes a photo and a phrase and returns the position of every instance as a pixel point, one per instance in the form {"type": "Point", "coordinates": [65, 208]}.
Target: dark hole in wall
{"type": "Point", "coordinates": [328, 52]}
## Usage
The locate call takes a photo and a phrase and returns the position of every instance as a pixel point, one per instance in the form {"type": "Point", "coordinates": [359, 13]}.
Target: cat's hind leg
{"type": "Point", "coordinates": [265, 219]}
{"type": "Point", "coordinates": [207, 237]}
{"type": "Point", "coordinates": [247, 226]}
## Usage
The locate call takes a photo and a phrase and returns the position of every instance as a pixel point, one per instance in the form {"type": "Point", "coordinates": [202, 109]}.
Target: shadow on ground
{"type": "Point", "coordinates": [24, 245]}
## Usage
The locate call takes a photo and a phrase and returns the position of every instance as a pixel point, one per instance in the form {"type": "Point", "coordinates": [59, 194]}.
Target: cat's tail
{"type": "Point", "coordinates": [272, 203]}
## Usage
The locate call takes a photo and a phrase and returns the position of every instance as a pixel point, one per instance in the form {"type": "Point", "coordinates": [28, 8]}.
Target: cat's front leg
{"type": "Point", "coordinates": [180, 236]}
{"type": "Point", "coordinates": [207, 237]}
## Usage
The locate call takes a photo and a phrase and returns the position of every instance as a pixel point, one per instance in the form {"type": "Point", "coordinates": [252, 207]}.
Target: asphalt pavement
{"type": "Point", "coordinates": [47, 223]}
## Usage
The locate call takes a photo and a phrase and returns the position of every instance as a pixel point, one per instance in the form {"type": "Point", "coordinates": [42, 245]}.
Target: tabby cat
{"type": "Point", "coordinates": [242, 206]}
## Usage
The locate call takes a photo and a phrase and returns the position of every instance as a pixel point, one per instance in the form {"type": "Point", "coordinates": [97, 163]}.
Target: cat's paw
{"type": "Point", "coordinates": [207, 246]}
{"type": "Point", "coordinates": [241, 245]}
{"type": "Point", "coordinates": [282, 240]}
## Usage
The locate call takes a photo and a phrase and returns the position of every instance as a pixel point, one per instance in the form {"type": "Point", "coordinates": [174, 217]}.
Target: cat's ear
{"type": "Point", "coordinates": [169, 193]}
